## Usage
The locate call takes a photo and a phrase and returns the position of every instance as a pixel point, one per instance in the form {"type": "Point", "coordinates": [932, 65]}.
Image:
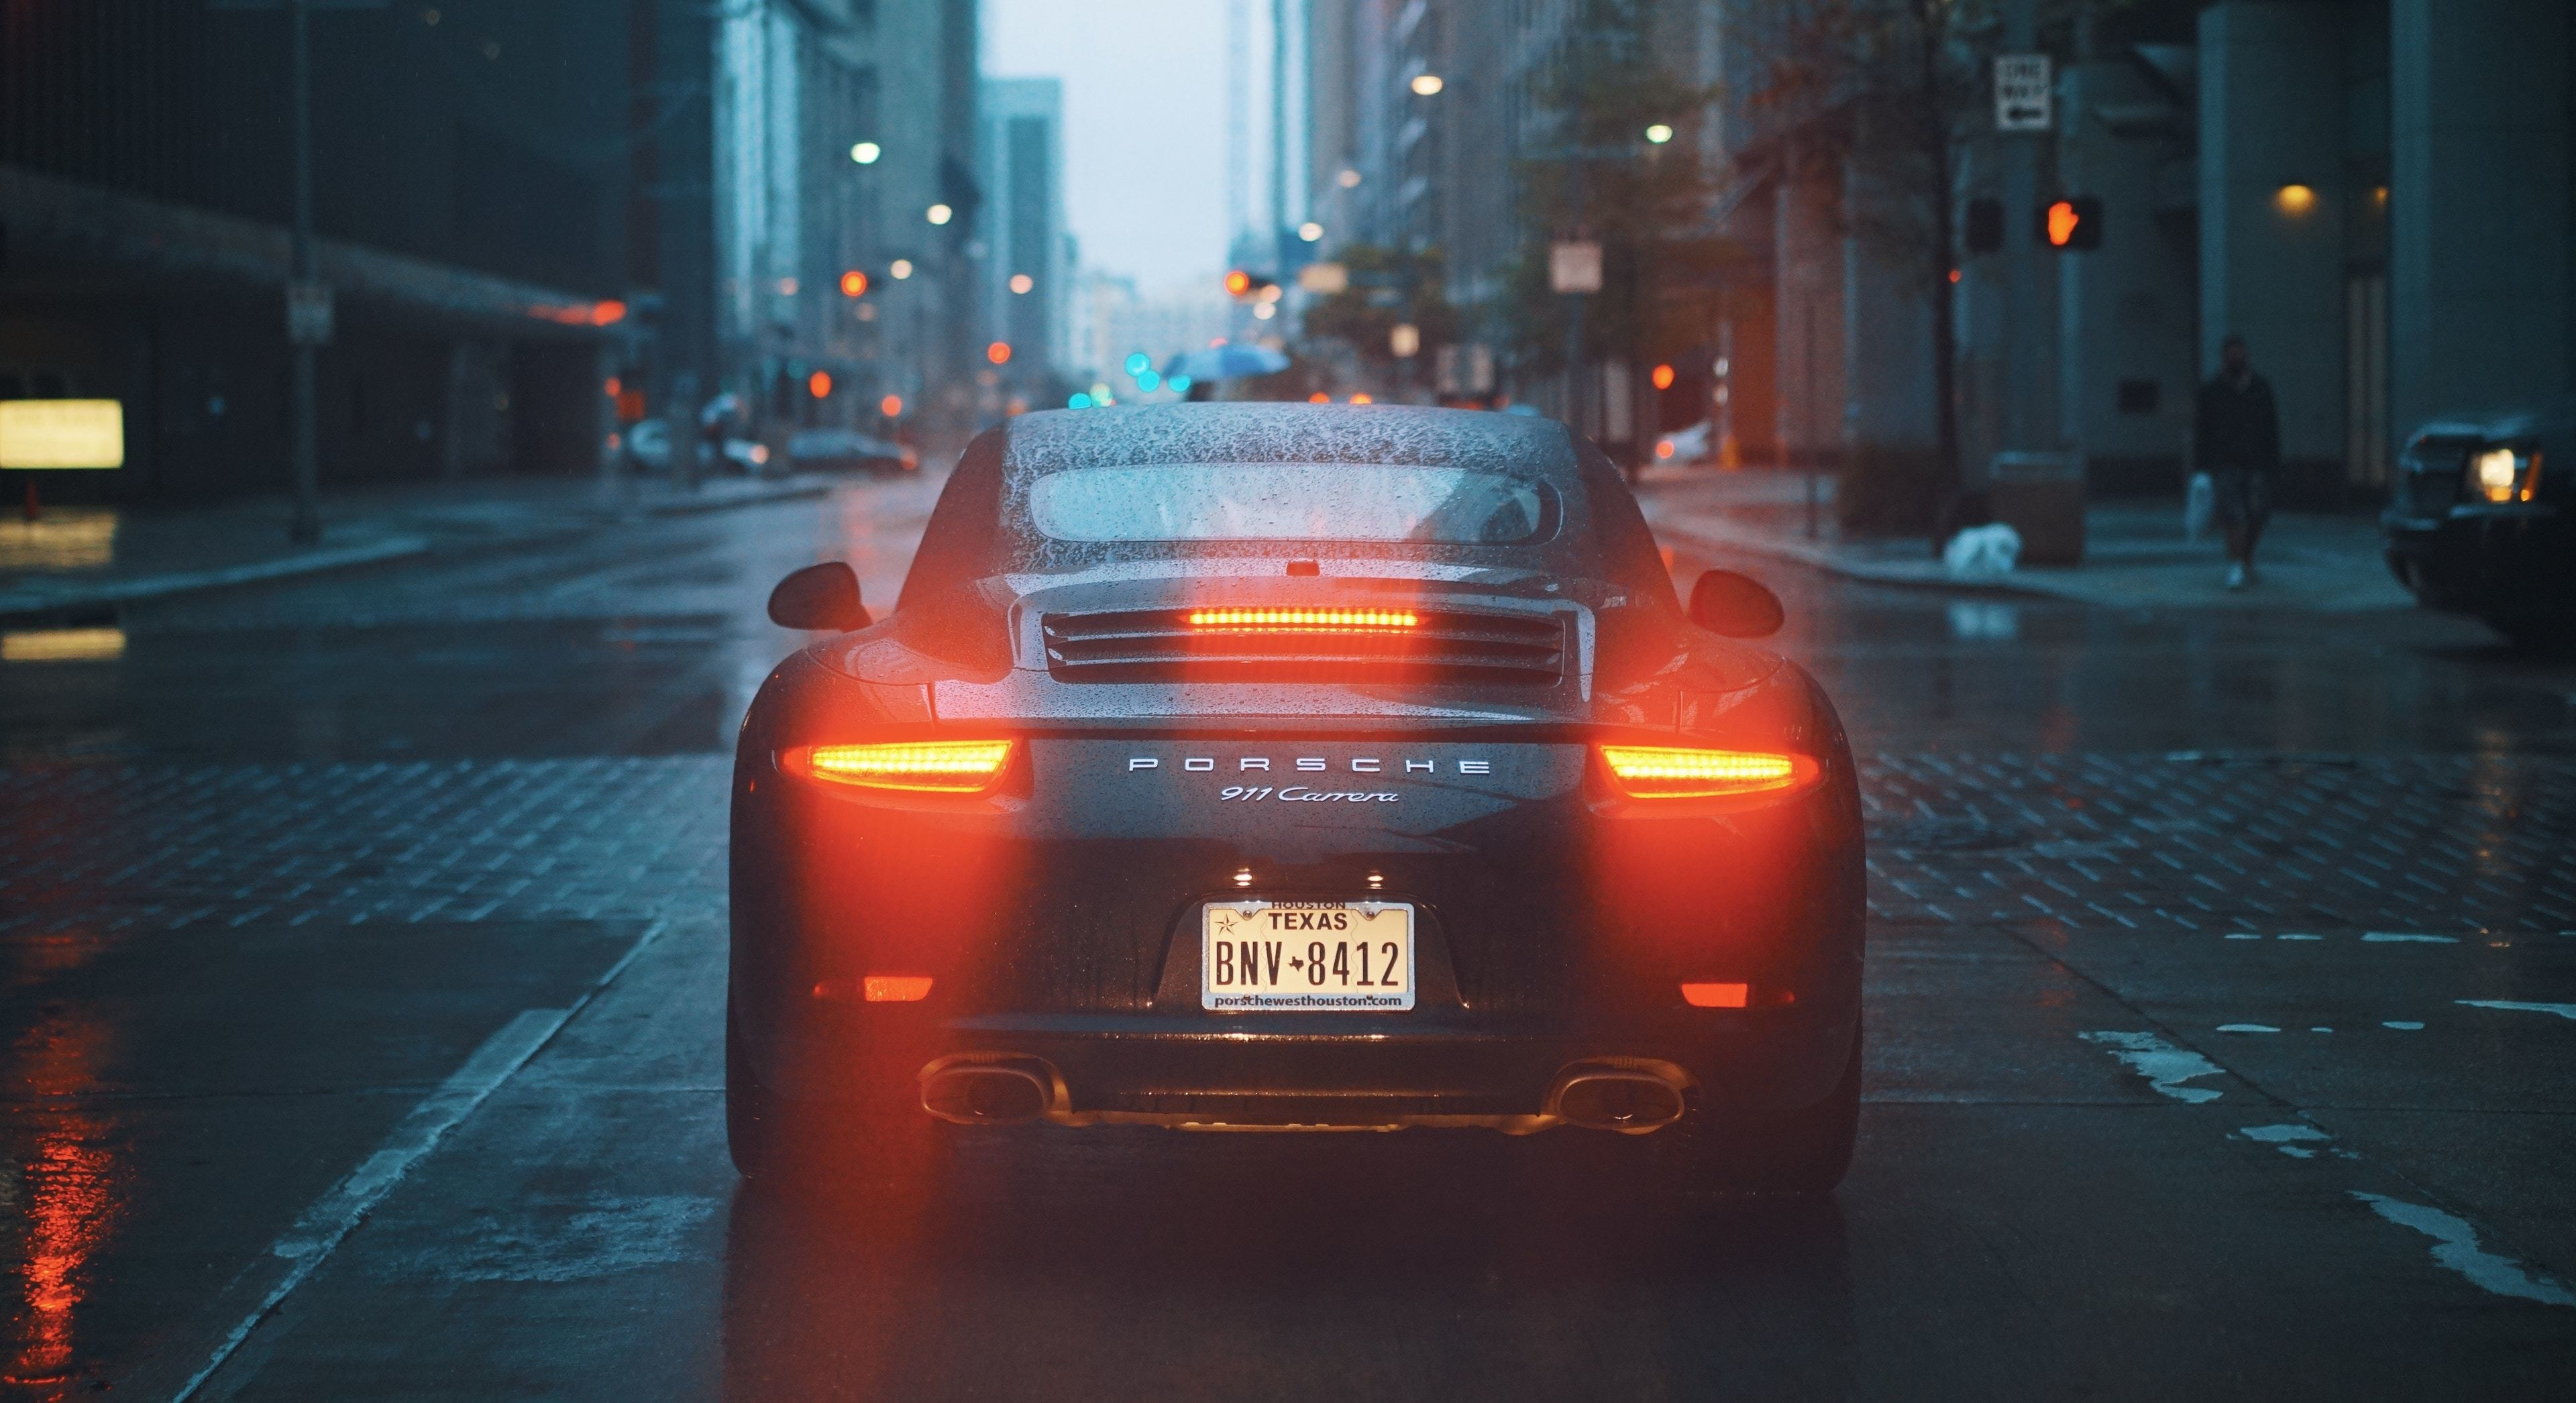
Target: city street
{"type": "Point", "coordinates": [365, 946]}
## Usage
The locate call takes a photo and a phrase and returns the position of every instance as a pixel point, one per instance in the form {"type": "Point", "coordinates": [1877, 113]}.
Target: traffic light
{"type": "Point", "coordinates": [1241, 283]}
{"type": "Point", "coordinates": [2074, 222]}
{"type": "Point", "coordinates": [1985, 225]}
{"type": "Point", "coordinates": [854, 283]}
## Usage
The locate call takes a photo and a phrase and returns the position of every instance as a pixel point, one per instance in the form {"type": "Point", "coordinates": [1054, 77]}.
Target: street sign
{"type": "Point", "coordinates": [2022, 96]}
{"type": "Point", "coordinates": [1574, 266]}
{"type": "Point", "coordinates": [308, 314]}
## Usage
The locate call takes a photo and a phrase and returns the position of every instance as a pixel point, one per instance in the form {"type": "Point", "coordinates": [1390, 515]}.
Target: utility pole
{"type": "Point", "coordinates": [306, 527]}
{"type": "Point", "coordinates": [308, 299]}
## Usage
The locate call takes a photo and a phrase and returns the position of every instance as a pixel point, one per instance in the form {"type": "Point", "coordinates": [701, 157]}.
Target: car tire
{"type": "Point", "coordinates": [2532, 635]}
{"type": "Point", "coordinates": [1802, 1151]}
{"type": "Point", "coordinates": [807, 1147]}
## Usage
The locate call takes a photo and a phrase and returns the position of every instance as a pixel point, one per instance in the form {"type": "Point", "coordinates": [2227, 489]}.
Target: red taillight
{"type": "Point", "coordinates": [930, 766]}
{"type": "Point", "coordinates": [1717, 995]}
{"type": "Point", "coordinates": [1665, 772]}
{"type": "Point", "coordinates": [1305, 620]}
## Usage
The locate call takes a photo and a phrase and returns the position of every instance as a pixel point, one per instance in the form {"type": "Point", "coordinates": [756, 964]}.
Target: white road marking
{"type": "Point", "coordinates": [2286, 1138]}
{"type": "Point", "coordinates": [324, 1225]}
{"type": "Point", "coordinates": [2298, 937]}
{"type": "Point", "coordinates": [2389, 937]}
{"type": "Point", "coordinates": [2247, 1028]}
{"type": "Point", "coordinates": [2404, 1027]}
{"type": "Point", "coordinates": [2165, 1066]}
{"type": "Point", "coordinates": [2456, 1247]}
{"type": "Point", "coordinates": [2244, 935]}
{"type": "Point", "coordinates": [2567, 1011]}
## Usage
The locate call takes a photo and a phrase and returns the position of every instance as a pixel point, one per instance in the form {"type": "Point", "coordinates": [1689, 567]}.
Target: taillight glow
{"type": "Point", "coordinates": [1663, 772]}
{"type": "Point", "coordinates": [934, 766]}
{"type": "Point", "coordinates": [1702, 995]}
{"type": "Point", "coordinates": [895, 988]}
{"type": "Point", "coordinates": [1305, 620]}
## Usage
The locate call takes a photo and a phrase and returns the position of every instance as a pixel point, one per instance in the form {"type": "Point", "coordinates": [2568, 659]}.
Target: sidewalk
{"type": "Point", "coordinates": [82, 560]}
{"type": "Point", "coordinates": [2135, 556]}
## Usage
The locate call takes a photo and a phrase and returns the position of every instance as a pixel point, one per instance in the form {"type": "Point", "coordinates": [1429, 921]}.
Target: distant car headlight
{"type": "Point", "coordinates": [2505, 474]}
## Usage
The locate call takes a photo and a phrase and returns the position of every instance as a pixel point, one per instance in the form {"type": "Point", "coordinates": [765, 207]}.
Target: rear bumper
{"type": "Point", "coordinates": [1282, 1072]}
{"type": "Point", "coordinates": [2518, 561]}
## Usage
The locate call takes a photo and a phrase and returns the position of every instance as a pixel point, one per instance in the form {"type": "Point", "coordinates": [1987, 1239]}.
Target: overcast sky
{"type": "Point", "coordinates": [1144, 118]}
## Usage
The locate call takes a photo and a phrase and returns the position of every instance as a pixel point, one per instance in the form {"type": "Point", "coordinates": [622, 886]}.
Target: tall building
{"type": "Point", "coordinates": [519, 208]}
{"type": "Point", "coordinates": [1028, 262]}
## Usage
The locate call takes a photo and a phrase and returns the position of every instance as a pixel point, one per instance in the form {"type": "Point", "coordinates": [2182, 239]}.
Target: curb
{"type": "Point", "coordinates": [1928, 576]}
{"type": "Point", "coordinates": [784, 492]}
{"type": "Point", "coordinates": [36, 600]}
{"type": "Point", "coordinates": [39, 599]}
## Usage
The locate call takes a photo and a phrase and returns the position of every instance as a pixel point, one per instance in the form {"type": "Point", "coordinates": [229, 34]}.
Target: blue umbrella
{"type": "Point", "coordinates": [1227, 362]}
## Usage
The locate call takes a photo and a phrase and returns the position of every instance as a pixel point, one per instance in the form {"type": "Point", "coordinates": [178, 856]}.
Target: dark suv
{"type": "Point", "coordinates": [2480, 520]}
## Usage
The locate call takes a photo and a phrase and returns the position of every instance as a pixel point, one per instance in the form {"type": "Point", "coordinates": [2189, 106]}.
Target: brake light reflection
{"type": "Point", "coordinates": [938, 766]}
{"type": "Point", "coordinates": [1305, 620]}
{"type": "Point", "coordinates": [1717, 995]}
{"type": "Point", "coordinates": [1663, 772]}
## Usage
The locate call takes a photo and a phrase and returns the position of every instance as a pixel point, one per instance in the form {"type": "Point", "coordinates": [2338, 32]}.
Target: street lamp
{"type": "Point", "coordinates": [1311, 232]}
{"type": "Point", "coordinates": [939, 214]}
{"type": "Point", "coordinates": [1022, 283]}
{"type": "Point", "coordinates": [1659, 133]}
{"type": "Point", "coordinates": [866, 153]}
{"type": "Point", "coordinates": [1427, 85]}
{"type": "Point", "coordinates": [900, 269]}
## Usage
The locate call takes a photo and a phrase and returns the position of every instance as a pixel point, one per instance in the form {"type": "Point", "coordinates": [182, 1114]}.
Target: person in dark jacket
{"type": "Point", "coordinates": [2236, 439]}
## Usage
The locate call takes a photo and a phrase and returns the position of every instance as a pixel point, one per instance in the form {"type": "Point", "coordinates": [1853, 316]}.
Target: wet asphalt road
{"type": "Point", "coordinates": [363, 946]}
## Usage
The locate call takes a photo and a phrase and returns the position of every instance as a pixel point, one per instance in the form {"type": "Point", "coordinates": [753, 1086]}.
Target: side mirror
{"type": "Point", "coordinates": [820, 598]}
{"type": "Point", "coordinates": [1735, 605]}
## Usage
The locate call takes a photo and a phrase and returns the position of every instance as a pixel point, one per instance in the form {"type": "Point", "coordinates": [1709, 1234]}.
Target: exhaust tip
{"type": "Point", "coordinates": [1617, 1098]}
{"type": "Point", "coordinates": [1002, 1092]}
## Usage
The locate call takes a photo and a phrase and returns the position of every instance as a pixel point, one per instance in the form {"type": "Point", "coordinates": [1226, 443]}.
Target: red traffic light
{"type": "Point", "coordinates": [999, 353]}
{"type": "Point", "coordinates": [1237, 283]}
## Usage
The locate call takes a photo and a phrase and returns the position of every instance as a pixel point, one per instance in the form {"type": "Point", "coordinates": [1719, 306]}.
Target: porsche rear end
{"type": "Point", "coordinates": [1282, 853]}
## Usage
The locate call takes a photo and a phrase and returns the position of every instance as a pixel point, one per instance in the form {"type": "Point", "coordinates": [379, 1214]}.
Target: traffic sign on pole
{"type": "Point", "coordinates": [2022, 94]}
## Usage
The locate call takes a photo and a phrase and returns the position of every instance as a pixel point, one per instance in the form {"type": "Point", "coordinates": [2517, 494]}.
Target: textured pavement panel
{"type": "Point", "coordinates": [2457, 845]}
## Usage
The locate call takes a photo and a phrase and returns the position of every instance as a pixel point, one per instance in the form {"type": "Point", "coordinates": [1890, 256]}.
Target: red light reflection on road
{"type": "Point", "coordinates": [71, 1193]}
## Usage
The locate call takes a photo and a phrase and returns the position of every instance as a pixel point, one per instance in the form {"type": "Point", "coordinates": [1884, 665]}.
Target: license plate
{"type": "Point", "coordinates": [1306, 956]}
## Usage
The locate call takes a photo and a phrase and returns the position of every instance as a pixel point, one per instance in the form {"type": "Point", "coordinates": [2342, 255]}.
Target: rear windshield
{"type": "Point", "coordinates": [1291, 502]}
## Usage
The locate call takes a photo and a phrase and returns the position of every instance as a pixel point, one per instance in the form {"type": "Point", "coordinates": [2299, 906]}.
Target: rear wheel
{"type": "Point", "coordinates": [802, 1146]}
{"type": "Point", "coordinates": [1801, 1151]}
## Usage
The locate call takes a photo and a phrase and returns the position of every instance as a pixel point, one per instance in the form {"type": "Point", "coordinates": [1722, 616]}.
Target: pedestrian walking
{"type": "Point", "coordinates": [2236, 439]}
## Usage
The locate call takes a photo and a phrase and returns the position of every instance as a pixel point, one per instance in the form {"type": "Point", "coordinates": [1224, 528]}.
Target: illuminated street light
{"type": "Point", "coordinates": [1263, 311]}
{"type": "Point", "coordinates": [891, 406]}
{"type": "Point", "coordinates": [1405, 340]}
{"type": "Point", "coordinates": [1427, 85]}
{"type": "Point", "coordinates": [1659, 133]}
{"type": "Point", "coordinates": [1311, 232]}
{"type": "Point", "coordinates": [901, 268]}
{"type": "Point", "coordinates": [1022, 283]}
{"type": "Point", "coordinates": [866, 153]}
{"type": "Point", "coordinates": [854, 284]}
{"type": "Point", "coordinates": [2295, 199]}
{"type": "Point", "coordinates": [939, 214]}
{"type": "Point", "coordinates": [999, 353]}
{"type": "Point", "coordinates": [1349, 179]}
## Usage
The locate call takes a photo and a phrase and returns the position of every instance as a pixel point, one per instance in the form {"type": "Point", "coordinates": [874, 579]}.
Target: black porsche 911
{"type": "Point", "coordinates": [1232, 766]}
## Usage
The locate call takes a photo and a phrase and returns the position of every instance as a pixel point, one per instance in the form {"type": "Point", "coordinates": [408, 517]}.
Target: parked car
{"type": "Point", "coordinates": [2482, 520]}
{"type": "Point", "coordinates": [847, 450]}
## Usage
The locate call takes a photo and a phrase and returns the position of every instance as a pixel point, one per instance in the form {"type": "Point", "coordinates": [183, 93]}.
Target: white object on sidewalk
{"type": "Point", "coordinates": [2198, 506]}
{"type": "Point", "coordinates": [1983, 550]}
